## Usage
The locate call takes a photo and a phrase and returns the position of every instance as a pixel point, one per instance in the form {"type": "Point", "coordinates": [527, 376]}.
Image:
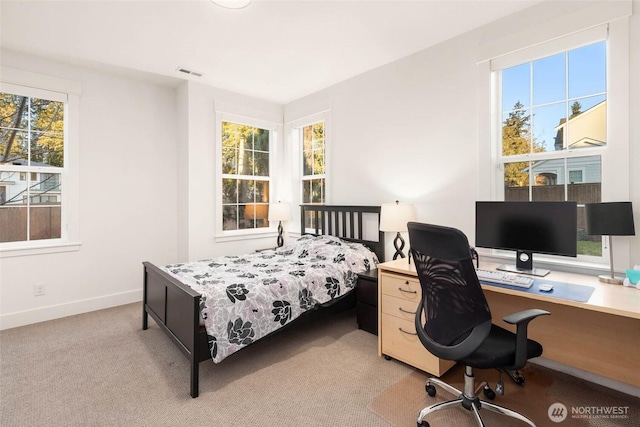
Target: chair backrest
{"type": "Point", "coordinates": [457, 315]}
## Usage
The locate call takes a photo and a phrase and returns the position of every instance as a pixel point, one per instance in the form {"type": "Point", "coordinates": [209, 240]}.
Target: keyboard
{"type": "Point", "coordinates": [505, 278]}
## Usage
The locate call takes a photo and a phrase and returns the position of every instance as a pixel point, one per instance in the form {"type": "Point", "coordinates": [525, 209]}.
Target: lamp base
{"type": "Point", "coordinates": [611, 280]}
{"type": "Point", "coordinates": [398, 244]}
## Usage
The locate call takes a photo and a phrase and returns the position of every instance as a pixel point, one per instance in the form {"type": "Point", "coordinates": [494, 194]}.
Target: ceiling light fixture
{"type": "Point", "coordinates": [232, 4]}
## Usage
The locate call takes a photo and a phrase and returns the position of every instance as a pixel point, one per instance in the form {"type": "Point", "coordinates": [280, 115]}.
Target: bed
{"type": "Point", "coordinates": [195, 303]}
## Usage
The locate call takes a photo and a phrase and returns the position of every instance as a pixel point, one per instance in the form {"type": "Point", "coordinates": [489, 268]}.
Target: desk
{"type": "Point", "coordinates": [601, 335]}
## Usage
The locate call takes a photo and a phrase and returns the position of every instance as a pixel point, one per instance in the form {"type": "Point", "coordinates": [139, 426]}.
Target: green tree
{"type": "Point", "coordinates": [31, 124]}
{"type": "Point", "coordinates": [517, 139]}
{"type": "Point", "coordinates": [575, 109]}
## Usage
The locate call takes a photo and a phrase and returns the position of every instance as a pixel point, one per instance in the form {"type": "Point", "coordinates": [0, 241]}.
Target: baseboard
{"type": "Point", "coordinates": [588, 376]}
{"type": "Point", "coordinates": [28, 317]}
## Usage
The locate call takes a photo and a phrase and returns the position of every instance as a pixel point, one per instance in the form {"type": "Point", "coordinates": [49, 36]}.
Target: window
{"type": "Point", "coordinates": [245, 176]}
{"type": "Point", "coordinates": [32, 166]}
{"type": "Point", "coordinates": [313, 166]}
{"type": "Point", "coordinates": [553, 112]}
{"type": "Point", "coordinates": [313, 163]}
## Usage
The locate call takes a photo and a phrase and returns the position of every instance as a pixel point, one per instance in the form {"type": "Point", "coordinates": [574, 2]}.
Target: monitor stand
{"type": "Point", "coordinates": [524, 265]}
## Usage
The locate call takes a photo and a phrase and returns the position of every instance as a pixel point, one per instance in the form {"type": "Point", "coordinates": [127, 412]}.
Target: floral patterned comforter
{"type": "Point", "coordinates": [246, 297]}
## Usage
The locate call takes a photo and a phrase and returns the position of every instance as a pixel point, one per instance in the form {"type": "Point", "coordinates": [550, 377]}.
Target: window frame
{"type": "Point", "coordinates": [295, 148]}
{"type": "Point", "coordinates": [614, 156]}
{"type": "Point", "coordinates": [46, 87]}
{"type": "Point", "coordinates": [222, 235]}
{"type": "Point", "coordinates": [305, 179]}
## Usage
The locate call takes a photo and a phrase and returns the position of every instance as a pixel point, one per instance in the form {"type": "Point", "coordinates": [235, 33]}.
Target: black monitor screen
{"type": "Point", "coordinates": [540, 227]}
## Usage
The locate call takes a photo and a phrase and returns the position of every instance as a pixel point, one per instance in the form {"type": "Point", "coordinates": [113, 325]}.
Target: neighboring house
{"type": "Point", "coordinates": [587, 129]}
{"type": "Point", "coordinates": [45, 187]}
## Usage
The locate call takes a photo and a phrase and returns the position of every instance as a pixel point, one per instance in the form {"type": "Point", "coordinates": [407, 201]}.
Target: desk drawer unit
{"type": "Point", "coordinates": [399, 298]}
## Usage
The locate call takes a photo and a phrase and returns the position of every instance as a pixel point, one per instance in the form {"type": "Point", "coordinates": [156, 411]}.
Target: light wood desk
{"type": "Point", "coordinates": [601, 335]}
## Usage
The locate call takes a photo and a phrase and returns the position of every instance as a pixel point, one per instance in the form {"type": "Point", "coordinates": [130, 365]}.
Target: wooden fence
{"type": "Point", "coordinates": [45, 223]}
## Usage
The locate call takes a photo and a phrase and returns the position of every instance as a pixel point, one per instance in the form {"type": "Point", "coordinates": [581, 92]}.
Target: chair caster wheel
{"type": "Point", "coordinates": [431, 390]}
{"type": "Point", "coordinates": [500, 388]}
{"type": "Point", "coordinates": [488, 393]}
{"type": "Point", "coordinates": [423, 424]}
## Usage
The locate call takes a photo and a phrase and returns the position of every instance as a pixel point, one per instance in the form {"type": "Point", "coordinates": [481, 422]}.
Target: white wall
{"type": "Point", "coordinates": [408, 131]}
{"type": "Point", "coordinates": [128, 205]}
{"type": "Point", "coordinates": [413, 130]}
{"type": "Point", "coordinates": [199, 164]}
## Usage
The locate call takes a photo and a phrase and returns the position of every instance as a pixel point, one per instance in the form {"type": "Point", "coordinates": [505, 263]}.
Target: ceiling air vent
{"type": "Point", "coordinates": [190, 72]}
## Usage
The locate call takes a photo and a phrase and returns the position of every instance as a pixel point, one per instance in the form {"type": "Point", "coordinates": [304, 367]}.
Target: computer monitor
{"type": "Point", "coordinates": [527, 227]}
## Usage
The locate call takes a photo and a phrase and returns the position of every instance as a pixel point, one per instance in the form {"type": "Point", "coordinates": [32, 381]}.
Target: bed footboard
{"type": "Point", "coordinates": [176, 309]}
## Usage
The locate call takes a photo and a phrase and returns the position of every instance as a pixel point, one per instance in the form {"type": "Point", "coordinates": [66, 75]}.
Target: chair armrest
{"type": "Point", "coordinates": [524, 316]}
{"type": "Point", "coordinates": [521, 319]}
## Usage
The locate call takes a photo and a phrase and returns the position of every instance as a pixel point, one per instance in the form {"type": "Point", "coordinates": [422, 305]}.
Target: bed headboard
{"type": "Point", "coordinates": [345, 222]}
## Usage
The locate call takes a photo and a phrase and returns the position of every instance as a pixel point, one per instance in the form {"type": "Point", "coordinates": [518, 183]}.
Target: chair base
{"type": "Point", "coordinates": [468, 399]}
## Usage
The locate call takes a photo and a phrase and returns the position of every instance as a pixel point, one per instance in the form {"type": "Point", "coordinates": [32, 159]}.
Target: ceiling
{"type": "Point", "coordinates": [277, 51]}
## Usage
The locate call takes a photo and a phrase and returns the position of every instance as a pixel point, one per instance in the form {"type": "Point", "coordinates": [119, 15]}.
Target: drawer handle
{"type": "Point", "coordinates": [406, 311]}
{"type": "Point", "coordinates": [408, 292]}
{"type": "Point", "coordinates": [408, 333]}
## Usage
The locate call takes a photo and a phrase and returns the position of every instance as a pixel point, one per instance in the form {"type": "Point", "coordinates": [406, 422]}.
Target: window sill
{"type": "Point", "coordinates": [44, 249]}
{"type": "Point", "coordinates": [566, 264]}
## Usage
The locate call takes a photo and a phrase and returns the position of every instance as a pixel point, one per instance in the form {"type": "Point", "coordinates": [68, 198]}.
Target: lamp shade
{"type": "Point", "coordinates": [610, 219]}
{"type": "Point", "coordinates": [279, 212]}
{"type": "Point", "coordinates": [395, 216]}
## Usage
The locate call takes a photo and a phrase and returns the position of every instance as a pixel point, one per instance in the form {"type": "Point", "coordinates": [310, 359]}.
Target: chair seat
{"type": "Point", "coordinates": [498, 350]}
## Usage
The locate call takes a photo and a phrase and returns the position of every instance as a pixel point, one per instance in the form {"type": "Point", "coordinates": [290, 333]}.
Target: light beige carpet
{"type": "Point", "coordinates": [400, 405]}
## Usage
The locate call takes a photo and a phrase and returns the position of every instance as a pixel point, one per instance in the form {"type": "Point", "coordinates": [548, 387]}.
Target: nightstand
{"type": "Point", "coordinates": [367, 301]}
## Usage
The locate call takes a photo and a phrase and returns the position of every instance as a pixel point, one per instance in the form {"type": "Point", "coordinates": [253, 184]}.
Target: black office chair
{"type": "Point", "coordinates": [458, 320]}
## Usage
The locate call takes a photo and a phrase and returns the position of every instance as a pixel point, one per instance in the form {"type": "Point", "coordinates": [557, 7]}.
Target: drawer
{"type": "Point", "coordinates": [401, 287]}
{"type": "Point", "coordinates": [399, 340]}
{"type": "Point", "coordinates": [399, 307]}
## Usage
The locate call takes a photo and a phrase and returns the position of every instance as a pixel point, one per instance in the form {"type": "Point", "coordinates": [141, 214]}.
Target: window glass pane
{"type": "Point", "coordinates": [229, 160]}
{"type": "Point", "coordinates": [548, 180]}
{"type": "Point", "coordinates": [306, 191]}
{"type": "Point", "coordinates": [229, 217]}
{"type": "Point", "coordinates": [516, 132]}
{"type": "Point", "coordinates": [307, 138]}
{"type": "Point", "coordinates": [261, 163]}
{"type": "Point", "coordinates": [587, 126]}
{"type": "Point", "coordinates": [547, 127]}
{"type": "Point", "coordinates": [262, 191]}
{"type": "Point", "coordinates": [307, 162]}
{"type": "Point", "coordinates": [589, 190]}
{"type": "Point", "coordinates": [17, 217]}
{"type": "Point", "coordinates": [255, 215]}
{"type": "Point", "coordinates": [245, 190]}
{"type": "Point", "coordinates": [261, 140]}
{"type": "Point", "coordinates": [47, 132]}
{"type": "Point", "coordinates": [516, 181]}
{"type": "Point", "coordinates": [318, 162]}
{"type": "Point", "coordinates": [317, 191]}
{"type": "Point", "coordinates": [549, 82]}
{"type": "Point", "coordinates": [515, 86]}
{"type": "Point", "coordinates": [14, 146]}
{"type": "Point", "coordinates": [245, 159]}
{"type": "Point", "coordinates": [229, 190]}
{"type": "Point", "coordinates": [318, 135]}
{"type": "Point", "coordinates": [588, 70]}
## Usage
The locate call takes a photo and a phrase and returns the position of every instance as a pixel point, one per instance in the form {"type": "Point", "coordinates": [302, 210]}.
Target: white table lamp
{"type": "Point", "coordinates": [279, 212]}
{"type": "Point", "coordinates": [394, 218]}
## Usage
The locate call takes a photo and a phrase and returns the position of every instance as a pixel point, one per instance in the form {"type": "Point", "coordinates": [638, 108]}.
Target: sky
{"type": "Point", "coordinates": [549, 86]}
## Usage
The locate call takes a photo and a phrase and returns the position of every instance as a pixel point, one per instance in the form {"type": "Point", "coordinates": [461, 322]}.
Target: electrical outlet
{"type": "Point", "coordinates": [39, 289]}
